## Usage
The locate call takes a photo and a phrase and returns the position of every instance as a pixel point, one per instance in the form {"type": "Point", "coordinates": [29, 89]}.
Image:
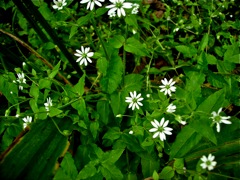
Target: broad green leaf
{"type": "Point", "coordinates": [225, 66]}
{"type": "Point", "coordinates": [211, 59]}
{"type": "Point", "coordinates": [94, 126]}
{"type": "Point", "coordinates": [33, 105]}
{"type": "Point", "coordinates": [133, 82]}
{"type": "Point", "coordinates": [6, 88]}
{"type": "Point", "coordinates": [166, 173]}
{"type": "Point", "coordinates": [187, 51]}
{"type": "Point", "coordinates": [34, 91]}
{"type": "Point", "coordinates": [118, 103]}
{"type": "Point", "coordinates": [149, 165]}
{"type": "Point", "coordinates": [45, 11]}
{"type": "Point", "coordinates": [131, 143]}
{"type": "Point", "coordinates": [110, 171]}
{"type": "Point", "coordinates": [111, 81]}
{"type": "Point", "coordinates": [198, 124]}
{"type": "Point", "coordinates": [232, 54]}
{"type": "Point", "coordinates": [117, 41]}
{"type": "Point", "coordinates": [45, 84]}
{"type": "Point", "coordinates": [155, 175]}
{"type": "Point", "coordinates": [68, 166]}
{"type": "Point", "coordinates": [42, 113]}
{"type": "Point", "coordinates": [179, 165]}
{"type": "Point", "coordinates": [213, 102]}
{"type": "Point", "coordinates": [100, 11]}
{"type": "Point", "coordinates": [54, 111]}
{"type": "Point", "coordinates": [112, 156]}
{"type": "Point", "coordinates": [204, 42]}
{"type": "Point", "coordinates": [103, 109]}
{"type": "Point", "coordinates": [88, 171]}
{"type": "Point", "coordinates": [55, 70]}
{"type": "Point", "coordinates": [112, 134]}
{"type": "Point", "coordinates": [48, 46]}
{"type": "Point", "coordinates": [80, 106]}
{"type": "Point", "coordinates": [74, 30]}
{"type": "Point", "coordinates": [79, 87]}
{"type": "Point", "coordinates": [131, 20]}
{"type": "Point", "coordinates": [186, 139]}
{"type": "Point", "coordinates": [84, 19]}
{"type": "Point", "coordinates": [136, 47]}
{"type": "Point", "coordinates": [102, 65]}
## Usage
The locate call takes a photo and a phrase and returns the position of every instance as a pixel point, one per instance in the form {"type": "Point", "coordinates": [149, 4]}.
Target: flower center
{"type": "Point", "coordinates": [217, 118]}
{"type": "Point", "coordinates": [59, 4]}
{"type": "Point", "coordinates": [167, 86]}
{"type": "Point", "coordinates": [160, 129]}
{"type": "Point", "coordinates": [208, 163]}
{"type": "Point", "coordinates": [119, 5]}
{"type": "Point", "coordinates": [134, 100]}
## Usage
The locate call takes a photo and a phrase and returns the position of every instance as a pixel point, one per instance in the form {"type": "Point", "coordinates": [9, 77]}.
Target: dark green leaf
{"type": "Point", "coordinates": [133, 82]}
{"type": "Point", "coordinates": [149, 165]}
{"type": "Point", "coordinates": [55, 71]}
{"type": "Point", "coordinates": [110, 171]}
{"type": "Point", "coordinates": [134, 46]}
{"type": "Point", "coordinates": [103, 109]}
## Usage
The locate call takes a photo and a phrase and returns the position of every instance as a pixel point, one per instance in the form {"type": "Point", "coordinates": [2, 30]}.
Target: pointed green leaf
{"type": "Point", "coordinates": [136, 47]}
{"type": "Point", "coordinates": [204, 42]}
{"type": "Point", "coordinates": [166, 173]}
{"type": "Point", "coordinates": [133, 82]}
{"type": "Point", "coordinates": [149, 165]}
{"type": "Point", "coordinates": [55, 70]}
{"type": "Point", "coordinates": [103, 110]}
{"type": "Point", "coordinates": [54, 111]}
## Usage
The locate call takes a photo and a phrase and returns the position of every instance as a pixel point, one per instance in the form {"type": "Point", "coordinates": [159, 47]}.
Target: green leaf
{"type": "Point", "coordinates": [55, 71]}
{"type": "Point", "coordinates": [54, 111]}
{"type": "Point", "coordinates": [187, 51]}
{"type": "Point", "coordinates": [94, 129]}
{"type": "Point", "coordinates": [179, 165]}
{"type": "Point", "coordinates": [69, 167]}
{"type": "Point", "coordinates": [185, 141]}
{"type": "Point", "coordinates": [131, 20]}
{"type": "Point", "coordinates": [112, 156]}
{"type": "Point", "coordinates": [213, 102]}
{"type": "Point", "coordinates": [112, 134]}
{"type": "Point", "coordinates": [110, 171]}
{"type": "Point", "coordinates": [166, 173]}
{"type": "Point", "coordinates": [42, 113]}
{"type": "Point", "coordinates": [45, 84]}
{"type": "Point", "coordinates": [102, 65]}
{"type": "Point", "coordinates": [149, 165]}
{"type": "Point", "coordinates": [84, 19]}
{"type": "Point", "coordinates": [100, 11]}
{"type": "Point", "coordinates": [232, 54]}
{"type": "Point", "coordinates": [117, 41]}
{"type": "Point", "coordinates": [118, 103]}
{"type": "Point", "coordinates": [79, 87]}
{"type": "Point", "coordinates": [136, 47]}
{"type": "Point", "coordinates": [133, 82]}
{"type": "Point", "coordinates": [33, 105]}
{"type": "Point", "coordinates": [110, 82]}
{"type": "Point", "coordinates": [88, 171]}
{"type": "Point", "coordinates": [204, 42]}
{"type": "Point", "coordinates": [103, 109]}
{"type": "Point", "coordinates": [34, 91]}
{"type": "Point", "coordinates": [6, 88]}
{"type": "Point", "coordinates": [80, 106]}
{"type": "Point", "coordinates": [45, 11]}
{"type": "Point", "coordinates": [74, 30]}
{"type": "Point", "coordinates": [155, 175]}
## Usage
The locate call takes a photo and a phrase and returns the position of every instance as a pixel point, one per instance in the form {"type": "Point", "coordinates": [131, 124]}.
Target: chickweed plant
{"type": "Point", "coordinates": [119, 89]}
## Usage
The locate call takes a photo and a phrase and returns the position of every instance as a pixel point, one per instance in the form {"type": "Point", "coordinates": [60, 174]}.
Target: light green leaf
{"type": "Point", "coordinates": [232, 54]}
{"type": "Point", "coordinates": [213, 102]}
{"type": "Point", "coordinates": [33, 105]}
{"type": "Point", "coordinates": [55, 71]}
{"type": "Point", "coordinates": [102, 65]}
{"type": "Point", "coordinates": [179, 165]}
{"type": "Point", "coordinates": [166, 173]}
{"type": "Point", "coordinates": [54, 111]}
{"type": "Point", "coordinates": [103, 109]}
{"type": "Point", "coordinates": [42, 113]}
{"type": "Point", "coordinates": [88, 171]}
{"type": "Point", "coordinates": [118, 103]}
{"type": "Point", "coordinates": [117, 41]}
{"type": "Point", "coordinates": [133, 82]}
{"type": "Point", "coordinates": [74, 30]}
{"type": "Point", "coordinates": [112, 134]}
{"type": "Point", "coordinates": [110, 171]}
{"type": "Point", "coordinates": [185, 141]}
{"type": "Point", "coordinates": [45, 84]}
{"type": "Point", "coordinates": [94, 129]}
{"type": "Point", "coordinates": [112, 156]}
{"type": "Point", "coordinates": [155, 175]}
{"type": "Point", "coordinates": [84, 19]}
{"type": "Point", "coordinates": [204, 42]}
{"type": "Point", "coordinates": [187, 51]}
{"type": "Point", "coordinates": [79, 87]}
{"type": "Point", "coordinates": [136, 47]}
{"type": "Point", "coordinates": [6, 88]}
{"type": "Point", "coordinates": [34, 91]}
{"type": "Point", "coordinates": [45, 11]}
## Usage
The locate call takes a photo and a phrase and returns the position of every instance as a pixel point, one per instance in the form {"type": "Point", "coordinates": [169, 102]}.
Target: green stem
{"type": "Point", "coordinates": [57, 127]}
{"type": "Point", "coordinates": [100, 37]}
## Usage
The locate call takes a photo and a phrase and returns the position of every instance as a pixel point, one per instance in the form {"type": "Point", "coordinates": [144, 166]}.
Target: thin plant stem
{"type": "Point", "coordinates": [57, 127]}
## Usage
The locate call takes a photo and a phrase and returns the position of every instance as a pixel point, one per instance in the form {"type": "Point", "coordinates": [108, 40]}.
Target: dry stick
{"type": "Point", "coordinates": [36, 54]}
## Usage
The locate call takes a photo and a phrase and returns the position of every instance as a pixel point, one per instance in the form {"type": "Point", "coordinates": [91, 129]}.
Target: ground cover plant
{"type": "Point", "coordinates": [95, 89]}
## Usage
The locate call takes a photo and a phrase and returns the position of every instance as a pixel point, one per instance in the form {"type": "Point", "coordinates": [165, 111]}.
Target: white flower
{"type": "Point", "coordinates": [27, 120]}
{"type": "Point", "coordinates": [17, 115]}
{"type": "Point", "coordinates": [84, 55]}
{"type": "Point", "coordinates": [167, 86]}
{"type": "Point", "coordinates": [119, 6]}
{"type": "Point", "coordinates": [135, 8]}
{"type": "Point", "coordinates": [160, 129]}
{"type": "Point", "coordinates": [20, 80]}
{"type": "Point", "coordinates": [220, 119]}
{"type": "Point", "coordinates": [130, 132]}
{"type": "Point", "coordinates": [23, 64]}
{"type": "Point", "coordinates": [91, 3]}
{"type": "Point", "coordinates": [48, 104]}
{"type": "Point", "coordinates": [148, 95]}
{"type": "Point", "coordinates": [179, 119]}
{"type": "Point", "coordinates": [113, 14]}
{"type": "Point", "coordinates": [208, 162]}
{"type": "Point", "coordinates": [59, 4]}
{"type": "Point", "coordinates": [134, 100]}
{"type": "Point", "coordinates": [171, 108]}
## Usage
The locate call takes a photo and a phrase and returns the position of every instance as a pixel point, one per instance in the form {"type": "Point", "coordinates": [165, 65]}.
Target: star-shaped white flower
{"type": "Point", "coordinates": [171, 108]}
{"type": "Point", "coordinates": [167, 86]}
{"type": "Point", "coordinates": [21, 80]}
{"type": "Point", "coordinates": [160, 129]}
{"type": "Point", "coordinates": [91, 3]}
{"type": "Point", "coordinates": [208, 162]}
{"type": "Point", "coordinates": [119, 6]}
{"type": "Point", "coordinates": [134, 100]}
{"type": "Point", "coordinates": [59, 4]}
{"type": "Point", "coordinates": [220, 119]}
{"type": "Point", "coordinates": [84, 55]}
{"type": "Point", "coordinates": [48, 104]}
{"type": "Point", "coordinates": [26, 120]}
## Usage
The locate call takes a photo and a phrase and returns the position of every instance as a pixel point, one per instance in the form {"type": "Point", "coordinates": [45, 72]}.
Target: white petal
{"type": "Point", "coordinates": [157, 123]}
{"type": "Point", "coordinates": [204, 159]}
{"type": "Point", "coordinates": [154, 124]}
{"type": "Point", "coordinates": [210, 157]}
{"type": "Point", "coordinates": [153, 130]}
{"type": "Point", "coordinates": [119, 12]}
{"type": "Point", "coordinates": [165, 123]}
{"type": "Point", "coordinates": [90, 54]}
{"type": "Point", "coordinates": [127, 5]}
{"type": "Point", "coordinates": [220, 110]}
{"type": "Point", "coordinates": [162, 136]}
{"type": "Point", "coordinates": [84, 1]}
{"type": "Point", "coordinates": [156, 134]}
{"type": "Point", "coordinates": [139, 103]}
{"type": "Point", "coordinates": [168, 132]}
{"type": "Point", "coordinates": [218, 127]}
{"type": "Point", "coordinates": [203, 165]}
{"type": "Point", "coordinates": [89, 60]}
{"type": "Point", "coordinates": [98, 3]}
{"type": "Point", "coordinates": [162, 122]}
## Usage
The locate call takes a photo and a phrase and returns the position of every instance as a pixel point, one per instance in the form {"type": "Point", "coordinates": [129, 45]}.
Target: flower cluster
{"type": "Point", "coordinates": [219, 119]}
{"type": "Point", "coordinates": [84, 55]}
{"type": "Point", "coordinates": [21, 80]}
{"type": "Point", "coordinates": [48, 104]}
{"type": "Point", "coordinates": [59, 4]}
{"type": "Point", "coordinates": [208, 162]}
